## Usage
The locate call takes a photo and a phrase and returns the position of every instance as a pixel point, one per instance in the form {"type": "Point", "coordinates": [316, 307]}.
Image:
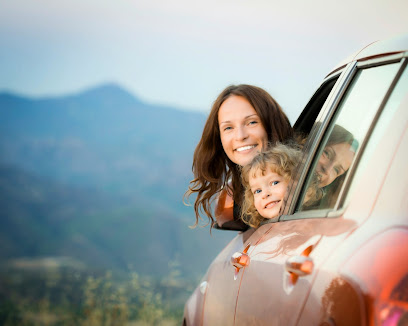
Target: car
{"type": "Point", "coordinates": [344, 260]}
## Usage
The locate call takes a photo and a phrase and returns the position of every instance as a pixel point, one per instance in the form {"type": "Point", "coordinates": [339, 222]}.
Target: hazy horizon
{"type": "Point", "coordinates": [182, 54]}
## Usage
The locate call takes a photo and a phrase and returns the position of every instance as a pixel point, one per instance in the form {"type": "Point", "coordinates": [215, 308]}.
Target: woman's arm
{"type": "Point", "coordinates": [224, 214]}
{"type": "Point", "coordinates": [224, 208]}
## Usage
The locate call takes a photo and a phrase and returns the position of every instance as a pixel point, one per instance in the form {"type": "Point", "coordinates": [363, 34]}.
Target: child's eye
{"type": "Point", "coordinates": [274, 183]}
{"type": "Point", "coordinates": [257, 191]}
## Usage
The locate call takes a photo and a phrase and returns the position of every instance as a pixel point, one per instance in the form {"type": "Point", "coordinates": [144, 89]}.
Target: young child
{"type": "Point", "coordinates": [266, 180]}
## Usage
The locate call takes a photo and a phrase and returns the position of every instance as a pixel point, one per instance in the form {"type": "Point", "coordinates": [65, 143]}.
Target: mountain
{"type": "Point", "coordinates": [103, 137]}
{"type": "Point", "coordinates": [99, 176]}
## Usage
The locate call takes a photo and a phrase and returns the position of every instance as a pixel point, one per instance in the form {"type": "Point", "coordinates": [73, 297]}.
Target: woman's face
{"type": "Point", "coordinates": [241, 130]}
{"type": "Point", "coordinates": [335, 161]}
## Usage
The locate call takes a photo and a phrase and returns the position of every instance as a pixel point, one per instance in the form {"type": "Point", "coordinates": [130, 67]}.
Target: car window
{"type": "Point", "coordinates": [388, 120]}
{"type": "Point", "coordinates": [310, 113]}
{"type": "Point", "coordinates": [344, 136]}
{"type": "Point", "coordinates": [397, 96]}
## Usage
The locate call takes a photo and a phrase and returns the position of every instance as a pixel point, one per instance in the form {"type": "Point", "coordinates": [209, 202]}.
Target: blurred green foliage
{"type": "Point", "coordinates": [59, 297]}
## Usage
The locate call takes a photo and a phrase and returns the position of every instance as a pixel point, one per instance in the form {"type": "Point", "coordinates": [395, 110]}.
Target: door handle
{"type": "Point", "coordinates": [299, 265]}
{"type": "Point", "coordinates": [240, 260]}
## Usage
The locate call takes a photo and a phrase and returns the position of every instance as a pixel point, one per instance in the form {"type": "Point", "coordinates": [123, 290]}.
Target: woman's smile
{"type": "Point", "coordinates": [245, 148]}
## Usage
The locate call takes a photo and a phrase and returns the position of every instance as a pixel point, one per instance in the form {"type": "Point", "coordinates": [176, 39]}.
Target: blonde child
{"type": "Point", "coordinates": [266, 180]}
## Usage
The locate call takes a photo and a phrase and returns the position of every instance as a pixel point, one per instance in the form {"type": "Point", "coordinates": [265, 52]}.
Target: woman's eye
{"type": "Point", "coordinates": [253, 122]}
{"type": "Point", "coordinates": [330, 154]}
{"type": "Point", "coordinates": [227, 128]}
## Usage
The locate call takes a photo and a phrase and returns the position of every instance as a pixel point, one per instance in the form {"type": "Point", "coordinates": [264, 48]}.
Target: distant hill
{"type": "Point", "coordinates": [103, 137]}
{"type": "Point", "coordinates": [99, 176]}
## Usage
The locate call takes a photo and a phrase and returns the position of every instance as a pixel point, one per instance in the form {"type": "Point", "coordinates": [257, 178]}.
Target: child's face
{"type": "Point", "coordinates": [268, 191]}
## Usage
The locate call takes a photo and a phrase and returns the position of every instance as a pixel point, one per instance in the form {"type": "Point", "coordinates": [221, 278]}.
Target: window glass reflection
{"type": "Point", "coordinates": [345, 135]}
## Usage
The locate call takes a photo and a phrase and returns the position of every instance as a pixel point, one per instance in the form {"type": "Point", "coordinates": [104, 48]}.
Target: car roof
{"type": "Point", "coordinates": [396, 44]}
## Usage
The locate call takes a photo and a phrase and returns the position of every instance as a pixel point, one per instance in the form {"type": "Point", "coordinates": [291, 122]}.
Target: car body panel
{"type": "Point", "coordinates": [357, 250]}
{"type": "Point", "coordinates": [222, 290]}
{"type": "Point", "coordinates": [193, 309]}
{"type": "Point", "coordinates": [396, 44]}
{"type": "Point", "coordinates": [279, 242]}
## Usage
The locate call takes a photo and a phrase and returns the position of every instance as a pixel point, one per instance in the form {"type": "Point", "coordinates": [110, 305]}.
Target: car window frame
{"type": "Point", "coordinates": [341, 203]}
{"type": "Point", "coordinates": [316, 135]}
{"type": "Point", "coordinates": [327, 113]}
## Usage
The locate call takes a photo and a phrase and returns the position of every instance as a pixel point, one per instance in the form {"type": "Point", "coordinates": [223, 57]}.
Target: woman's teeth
{"type": "Point", "coordinates": [240, 149]}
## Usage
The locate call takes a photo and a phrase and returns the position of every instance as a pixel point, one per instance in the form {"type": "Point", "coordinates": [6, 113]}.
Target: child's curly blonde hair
{"type": "Point", "coordinates": [281, 159]}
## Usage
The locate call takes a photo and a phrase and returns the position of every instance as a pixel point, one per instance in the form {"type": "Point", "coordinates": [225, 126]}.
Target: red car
{"type": "Point", "coordinates": [343, 260]}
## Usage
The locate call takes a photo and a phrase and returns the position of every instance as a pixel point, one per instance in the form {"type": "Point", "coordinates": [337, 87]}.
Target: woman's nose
{"type": "Point", "coordinates": [322, 164]}
{"type": "Point", "coordinates": [330, 172]}
{"type": "Point", "coordinates": [326, 166]}
{"type": "Point", "coordinates": [241, 133]}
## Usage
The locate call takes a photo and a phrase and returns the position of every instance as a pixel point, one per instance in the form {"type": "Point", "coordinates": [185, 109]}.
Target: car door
{"type": "Point", "coordinates": [286, 256]}
{"type": "Point", "coordinates": [369, 262]}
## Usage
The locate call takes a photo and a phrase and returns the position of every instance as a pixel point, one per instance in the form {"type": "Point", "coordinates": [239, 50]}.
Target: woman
{"type": "Point", "coordinates": [244, 119]}
{"type": "Point", "coordinates": [336, 159]}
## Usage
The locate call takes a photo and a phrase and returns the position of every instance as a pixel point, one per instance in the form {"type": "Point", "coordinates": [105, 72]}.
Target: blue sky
{"type": "Point", "coordinates": [183, 53]}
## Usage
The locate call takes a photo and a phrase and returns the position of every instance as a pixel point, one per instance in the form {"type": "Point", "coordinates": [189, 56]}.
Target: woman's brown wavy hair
{"type": "Point", "coordinates": [212, 168]}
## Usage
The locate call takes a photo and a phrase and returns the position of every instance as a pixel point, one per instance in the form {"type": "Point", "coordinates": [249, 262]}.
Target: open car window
{"type": "Point", "coordinates": [312, 110]}
{"type": "Point", "coordinates": [344, 134]}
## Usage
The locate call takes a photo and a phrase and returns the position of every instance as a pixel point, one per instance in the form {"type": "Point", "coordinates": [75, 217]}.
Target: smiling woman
{"type": "Point", "coordinates": [334, 162]}
{"type": "Point", "coordinates": [242, 133]}
{"type": "Point", "coordinates": [332, 166]}
{"type": "Point", "coordinates": [244, 119]}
